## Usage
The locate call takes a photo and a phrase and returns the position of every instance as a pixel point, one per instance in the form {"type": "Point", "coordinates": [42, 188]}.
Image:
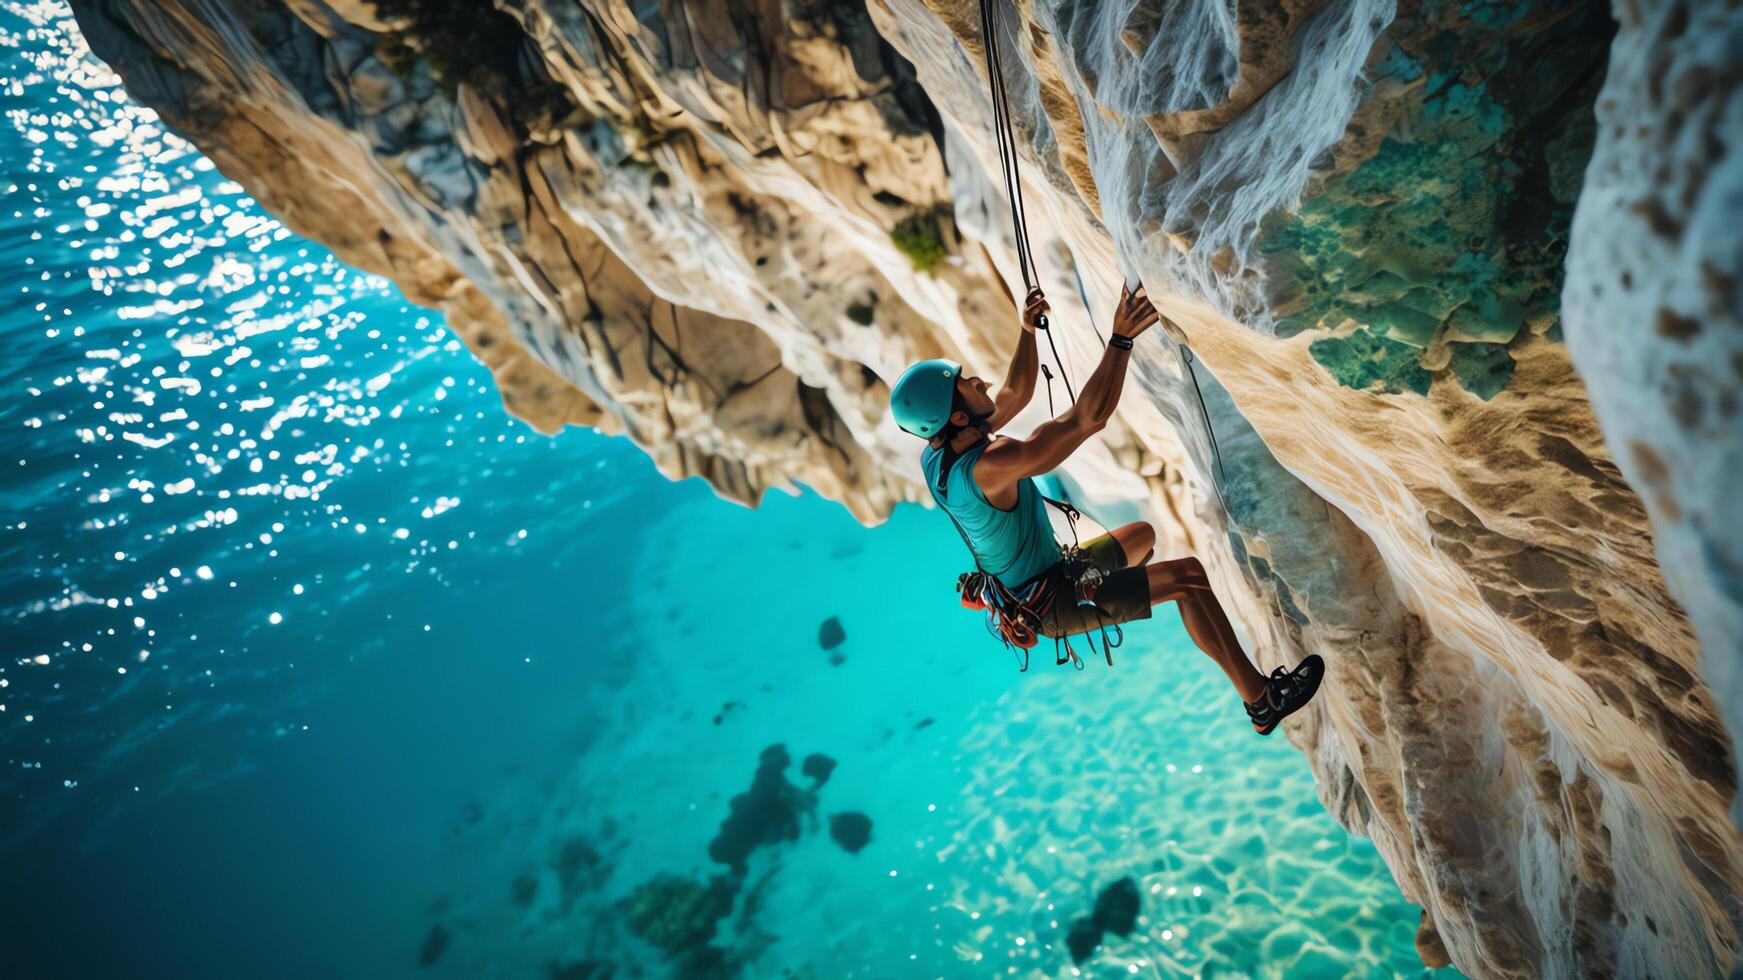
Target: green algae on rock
{"type": "Point", "coordinates": [674, 912]}
{"type": "Point", "coordinates": [434, 945]}
{"type": "Point", "coordinates": [1455, 228]}
{"type": "Point", "coordinates": [852, 830]}
{"type": "Point", "coordinates": [1482, 369]}
{"type": "Point", "coordinates": [1366, 360]}
{"type": "Point", "coordinates": [472, 44]}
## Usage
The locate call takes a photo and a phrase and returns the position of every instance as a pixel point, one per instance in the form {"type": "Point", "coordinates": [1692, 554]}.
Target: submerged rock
{"type": "Point", "coordinates": [831, 635]}
{"type": "Point", "coordinates": [1116, 911]}
{"type": "Point", "coordinates": [706, 963]}
{"type": "Point", "coordinates": [727, 709]}
{"type": "Point", "coordinates": [579, 868]}
{"type": "Point", "coordinates": [435, 944]}
{"type": "Point", "coordinates": [767, 812]}
{"type": "Point", "coordinates": [523, 889]}
{"type": "Point", "coordinates": [817, 767]}
{"type": "Point", "coordinates": [677, 914]}
{"type": "Point", "coordinates": [1116, 908]}
{"type": "Point", "coordinates": [1082, 938]}
{"type": "Point", "coordinates": [851, 830]}
{"type": "Point", "coordinates": [579, 970]}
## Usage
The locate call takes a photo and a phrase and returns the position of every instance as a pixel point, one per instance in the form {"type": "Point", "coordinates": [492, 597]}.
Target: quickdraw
{"type": "Point", "coordinates": [1086, 578]}
{"type": "Point", "coordinates": [1012, 618]}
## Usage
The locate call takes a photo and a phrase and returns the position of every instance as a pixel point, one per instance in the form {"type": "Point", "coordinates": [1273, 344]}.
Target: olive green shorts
{"type": "Point", "coordinates": [1124, 594]}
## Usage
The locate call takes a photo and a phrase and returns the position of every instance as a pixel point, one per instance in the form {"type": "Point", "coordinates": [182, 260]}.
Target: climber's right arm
{"type": "Point", "coordinates": [1008, 460]}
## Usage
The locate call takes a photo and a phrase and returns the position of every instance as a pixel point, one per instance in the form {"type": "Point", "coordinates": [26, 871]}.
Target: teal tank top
{"type": "Point", "coordinates": [1015, 545]}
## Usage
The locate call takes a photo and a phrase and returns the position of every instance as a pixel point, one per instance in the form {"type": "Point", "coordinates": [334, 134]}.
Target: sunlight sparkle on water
{"type": "Point", "coordinates": [201, 382]}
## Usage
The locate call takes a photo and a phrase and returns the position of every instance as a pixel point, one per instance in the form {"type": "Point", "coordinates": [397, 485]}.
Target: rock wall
{"type": "Point", "coordinates": [1654, 305]}
{"type": "Point", "coordinates": [723, 228]}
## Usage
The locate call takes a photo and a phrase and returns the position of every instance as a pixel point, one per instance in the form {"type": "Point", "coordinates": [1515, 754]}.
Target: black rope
{"type": "Point", "coordinates": [1001, 133]}
{"type": "Point", "coordinates": [1011, 173]}
{"type": "Point", "coordinates": [1209, 430]}
{"type": "Point", "coordinates": [1004, 139]}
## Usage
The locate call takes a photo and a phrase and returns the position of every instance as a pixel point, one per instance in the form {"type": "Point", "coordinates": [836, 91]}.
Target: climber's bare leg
{"type": "Point", "coordinates": [1184, 583]}
{"type": "Point", "coordinates": [1137, 540]}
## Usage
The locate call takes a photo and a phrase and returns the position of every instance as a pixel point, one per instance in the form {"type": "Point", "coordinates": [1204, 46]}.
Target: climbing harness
{"type": "Point", "coordinates": [1017, 616]}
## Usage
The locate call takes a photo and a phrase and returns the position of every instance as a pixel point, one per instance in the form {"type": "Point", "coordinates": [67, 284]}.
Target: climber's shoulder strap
{"type": "Point", "coordinates": [1012, 616]}
{"type": "Point", "coordinates": [1071, 513]}
{"type": "Point", "coordinates": [940, 487]}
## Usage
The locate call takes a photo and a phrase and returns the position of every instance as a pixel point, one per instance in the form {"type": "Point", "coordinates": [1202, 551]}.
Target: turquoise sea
{"type": "Point", "coordinates": [313, 663]}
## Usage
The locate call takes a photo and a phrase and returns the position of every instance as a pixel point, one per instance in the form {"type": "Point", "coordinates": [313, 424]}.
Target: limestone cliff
{"type": "Point", "coordinates": [723, 228]}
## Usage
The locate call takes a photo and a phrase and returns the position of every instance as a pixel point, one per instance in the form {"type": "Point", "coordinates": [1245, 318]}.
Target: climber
{"type": "Point", "coordinates": [986, 484]}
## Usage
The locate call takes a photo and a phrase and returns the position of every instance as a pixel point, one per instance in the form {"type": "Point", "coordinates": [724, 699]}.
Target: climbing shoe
{"type": "Point", "coordinates": [1286, 692]}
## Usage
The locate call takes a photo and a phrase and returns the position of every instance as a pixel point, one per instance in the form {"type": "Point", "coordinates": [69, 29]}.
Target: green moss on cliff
{"type": "Point", "coordinates": [918, 238]}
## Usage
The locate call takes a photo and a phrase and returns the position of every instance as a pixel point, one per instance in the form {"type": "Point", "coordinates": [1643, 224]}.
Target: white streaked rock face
{"type": "Point", "coordinates": [1654, 303]}
{"type": "Point", "coordinates": [700, 223]}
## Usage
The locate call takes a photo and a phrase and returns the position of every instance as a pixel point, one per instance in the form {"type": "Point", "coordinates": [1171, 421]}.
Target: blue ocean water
{"type": "Point", "coordinates": [315, 663]}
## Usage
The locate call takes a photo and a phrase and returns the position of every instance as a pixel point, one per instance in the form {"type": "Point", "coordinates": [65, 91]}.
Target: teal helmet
{"type": "Point", "coordinates": [923, 396]}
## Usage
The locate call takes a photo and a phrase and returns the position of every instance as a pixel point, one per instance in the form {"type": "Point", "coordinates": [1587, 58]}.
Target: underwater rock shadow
{"type": "Point", "coordinates": [851, 830]}
{"type": "Point", "coordinates": [1116, 911]}
{"type": "Point", "coordinates": [766, 813]}
{"type": "Point", "coordinates": [681, 916]}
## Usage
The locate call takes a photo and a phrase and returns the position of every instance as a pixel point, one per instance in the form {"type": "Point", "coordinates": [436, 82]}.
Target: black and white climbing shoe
{"type": "Point", "coordinates": [1286, 692]}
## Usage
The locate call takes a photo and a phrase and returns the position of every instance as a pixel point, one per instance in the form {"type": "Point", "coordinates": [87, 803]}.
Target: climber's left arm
{"type": "Point", "coordinates": [1019, 384]}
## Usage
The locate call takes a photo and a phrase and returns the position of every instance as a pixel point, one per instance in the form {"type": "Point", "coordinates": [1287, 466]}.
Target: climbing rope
{"type": "Point", "coordinates": [1006, 142]}
{"type": "Point", "coordinates": [1012, 176]}
{"type": "Point", "coordinates": [1216, 453]}
{"type": "Point", "coordinates": [1013, 179]}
